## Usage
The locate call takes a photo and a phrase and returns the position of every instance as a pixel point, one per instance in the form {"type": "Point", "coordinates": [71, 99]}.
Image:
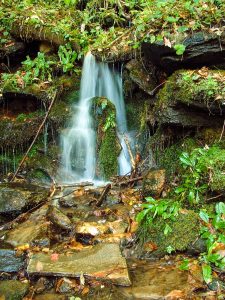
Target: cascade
{"type": "Point", "coordinates": [78, 140]}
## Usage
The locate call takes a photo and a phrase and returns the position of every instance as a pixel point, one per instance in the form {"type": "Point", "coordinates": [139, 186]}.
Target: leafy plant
{"type": "Point", "coordinates": [180, 48]}
{"type": "Point", "coordinates": [67, 57]}
{"type": "Point", "coordinates": [110, 121]}
{"type": "Point", "coordinates": [192, 187]}
{"type": "Point", "coordinates": [212, 231]}
{"type": "Point", "coordinates": [163, 208]}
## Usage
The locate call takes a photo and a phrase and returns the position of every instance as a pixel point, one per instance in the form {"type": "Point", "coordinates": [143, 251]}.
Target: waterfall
{"type": "Point", "coordinates": [79, 141]}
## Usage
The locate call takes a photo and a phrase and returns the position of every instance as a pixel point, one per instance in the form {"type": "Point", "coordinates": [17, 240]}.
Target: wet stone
{"type": "Point", "coordinates": [33, 231]}
{"type": "Point", "coordinates": [10, 262]}
{"type": "Point", "coordinates": [16, 198]}
{"type": "Point", "coordinates": [13, 289]}
{"type": "Point", "coordinates": [58, 218]}
{"type": "Point", "coordinates": [103, 261]}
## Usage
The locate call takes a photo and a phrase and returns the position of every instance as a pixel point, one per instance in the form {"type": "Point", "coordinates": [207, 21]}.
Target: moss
{"type": "Point", "coordinates": [187, 86]}
{"type": "Point", "coordinates": [185, 230]}
{"type": "Point", "coordinates": [13, 289]}
{"type": "Point", "coordinates": [108, 154]}
{"type": "Point", "coordinates": [108, 147]}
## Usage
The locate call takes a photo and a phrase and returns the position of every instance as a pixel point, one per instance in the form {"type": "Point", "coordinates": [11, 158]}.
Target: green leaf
{"type": "Point", "coordinates": [204, 216]}
{"type": "Point", "coordinates": [207, 273]}
{"type": "Point", "coordinates": [167, 229]}
{"type": "Point", "coordinates": [180, 48]}
{"type": "Point", "coordinates": [220, 208]}
{"type": "Point", "coordinates": [170, 249]}
{"type": "Point", "coordinates": [184, 266]}
{"type": "Point", "coordinates": [140, 216]}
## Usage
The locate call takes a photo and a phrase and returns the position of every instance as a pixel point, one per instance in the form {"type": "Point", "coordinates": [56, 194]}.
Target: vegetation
{"type": "Point", "coordinates": [202, 174]}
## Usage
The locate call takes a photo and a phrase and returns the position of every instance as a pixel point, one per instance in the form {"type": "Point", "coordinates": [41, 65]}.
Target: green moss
{"type": "Point", "coordinates": [108, 147]}
{"type": "Point", "coordinates": [188, 86]}
{"type": "Point", "coordinates": [13, 289]}
{"type": "Point", "coordinates": [108, 154]}
{"type": "Point", "coordinates": [185, 230]}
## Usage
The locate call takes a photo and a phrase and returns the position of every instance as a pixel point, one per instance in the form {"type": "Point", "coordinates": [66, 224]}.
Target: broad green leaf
{"type": "Point", "coordinates": [207, 273]}
{"type": "Point", "coordinates": [167, 229]}
{"type": "Point", "coordinates": [204, 216]}
{"type": "Point", "coordinates": [180, 48]}
{"type": "Point", "coordinates": [184, 266]}
{"type": "Point", "coordinates": [220, 208]}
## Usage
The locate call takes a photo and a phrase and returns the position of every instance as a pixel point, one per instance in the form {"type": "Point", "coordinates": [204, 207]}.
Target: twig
{"type": "Point", "coordinates": [35, 138]}
{"type": "Point", "coordinates": [129, 151]}
{"type": "Point", "coordinates": [215, 197]}
{"type": "Point", "coordinates": [81, 184]}
{"type": "Point", "coordinates": [130, 181]}
{"type": "Point", "coordinates": [152, 93]}
{"type": "Point", "coordinates": [103, 194]}
{"type": "Point", "coordinates": [222, 131]}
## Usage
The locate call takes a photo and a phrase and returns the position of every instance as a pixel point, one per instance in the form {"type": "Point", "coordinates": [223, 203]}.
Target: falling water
{"type": "Point", "coordinates": [79, 141]}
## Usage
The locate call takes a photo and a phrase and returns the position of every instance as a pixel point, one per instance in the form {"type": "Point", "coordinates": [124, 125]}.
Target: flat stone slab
{"type": "Point", "coordinates": [9, 262]}
{"type": "Point", "coordinates": [103, 262]}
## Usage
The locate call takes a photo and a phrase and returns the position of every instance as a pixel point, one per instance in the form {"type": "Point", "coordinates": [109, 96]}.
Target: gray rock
{"type": "Point", "coordinates": [13, 289]}
{"type": "Point", "coordinates": [58, 218]}
{"type": "Point", "coordinates": [16, 198]}
{"type": "Point", "coordinates": [103, 261]}
{"type": "Point", "coordinates": [9, 262]}
{"type": "Point", "coordinates": [201, 49]}
{"type": "Point", "coordinates": [32, 231]}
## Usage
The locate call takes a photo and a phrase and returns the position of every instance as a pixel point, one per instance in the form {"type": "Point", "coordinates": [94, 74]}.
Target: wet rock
{"type": "Point", "coordinates": [58, 218]}
{"type": "Point", "coordinates": [153, 183]}
{"type": "Point", "coordinates": [217, 285]}
{"type": "Point", "coordinates": [17, 198]}
{"type": "Point", "coordinates": [197, 247]}
{"type": "Point", "coordinates": [32, 232]}
{"type": "Point", "coordinates": [118, 226]}
{"type": "Point", "coordinates": [201, 49]}
{"type": "Point", "coordinates": [91, 228]}
{"type": "Point", "coordinates": [65, 285]}
{"type": "Point", "coordinates": [13, 289]}
{"type": "Point", "coordinates": [103, 262]}
{"type": "Point", "coordinates": [140, 76]}
{"type": "Point", "coordinates": [42, 284]}
{"type": "Point", "coordinates": [68, 202]}
{"type": "Point", "coordinates": [10, 261]}
{"type": "Point", "coordinates": [52, 296]}
{"type": "Point", "coordinates": [13, 50]}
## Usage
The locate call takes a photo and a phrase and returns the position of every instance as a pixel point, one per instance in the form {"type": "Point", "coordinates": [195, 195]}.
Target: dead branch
{"type": "Point", "coordinates": [36, 136]}
{"type": "Point", "coordinates": [103, 194]}
{"type": "Point", "coordinates": [222, 131]}
{"type": "Point", "coordinates": [213, 198]}
{"type": "Point", "coordinates": [79, 184]}
{"type": "Point", "coordinates": [129, 151]}
{"type": "Point", "coordinates": [126, 182]}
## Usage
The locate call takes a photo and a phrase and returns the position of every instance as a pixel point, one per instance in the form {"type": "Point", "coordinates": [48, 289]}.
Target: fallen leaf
{"type": "Point", "coordinates": [167, 42]}
{"type": "Point", "coordinates": [54, 256]}
{"type": "Point", "coordinates": [23, 247]}
{"type": "Point", "coordinates": [82, 279]}
{"type": "Point", "coordinates": [85, 290]}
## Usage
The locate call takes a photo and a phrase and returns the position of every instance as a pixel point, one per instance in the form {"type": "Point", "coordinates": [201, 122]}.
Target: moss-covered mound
{"type": "Point", "coordinates": [108, 147]}
{"type": "Point", "coordinates": [203, 89]}
{"type": "Point", "coordinates": [183, 232]}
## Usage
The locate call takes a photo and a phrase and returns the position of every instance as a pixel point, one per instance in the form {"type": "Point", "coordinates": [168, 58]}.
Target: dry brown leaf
{"type": "Point", "coordinates": [167, 42]}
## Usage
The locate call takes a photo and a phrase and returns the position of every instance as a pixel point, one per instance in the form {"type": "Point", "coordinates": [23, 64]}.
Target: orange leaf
{"type": "Point", "coordinates": [54, 256]}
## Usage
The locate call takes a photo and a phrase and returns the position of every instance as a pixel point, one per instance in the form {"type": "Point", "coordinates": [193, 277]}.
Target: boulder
{"type": "Point", "coordinates": [184, 232]}
{"type": "Point", "coordinates": [34, 231]}
{"type": "Point", "coordinates": [202, 49]}
{"type": "Point", "coordinates": [153, 183]}
{"type": "Point", "coordinates": [13, 289]}
{"type": "Point", "coordinates": [16, 198]}
{"type": "Point", "coordinates": [140, 76]}
{"type": "Point", "coordinates": [58, 218]}
{"type": "Point", "coordinates": [10, 262]}
{"type": "Point", "coordinates": [103, 262]}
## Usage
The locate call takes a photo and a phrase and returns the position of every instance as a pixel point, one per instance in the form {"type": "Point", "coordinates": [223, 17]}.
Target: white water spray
{"type": "Point", "coordinates": [79, 141]}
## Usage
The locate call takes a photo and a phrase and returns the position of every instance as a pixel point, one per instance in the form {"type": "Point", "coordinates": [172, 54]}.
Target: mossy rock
{"type": "Point", "coordinates": [13, 289]}
{"type": "Point", "coordinates": [203, 89]}
{"type": "Point", "coordinates": [108, 147]}
{"type": "Point", "coordinates": [185, 230]}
